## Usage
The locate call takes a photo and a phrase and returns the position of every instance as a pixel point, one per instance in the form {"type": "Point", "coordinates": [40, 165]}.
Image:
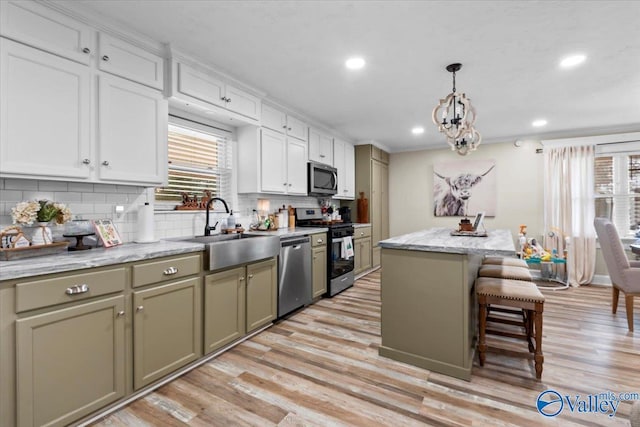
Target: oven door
{"type": "Point", "coordinates": [340, 263]}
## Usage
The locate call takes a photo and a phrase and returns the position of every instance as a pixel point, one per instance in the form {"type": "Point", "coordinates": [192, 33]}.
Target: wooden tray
{"type": "Point", "coordinates": [32, 251]}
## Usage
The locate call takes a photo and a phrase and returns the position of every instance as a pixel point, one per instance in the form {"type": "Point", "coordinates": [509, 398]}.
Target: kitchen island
{"type": "Point", "coordinates": [428, 316]}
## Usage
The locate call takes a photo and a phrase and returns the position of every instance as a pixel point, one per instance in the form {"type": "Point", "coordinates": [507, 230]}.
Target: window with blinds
{"type": "Point", "coordinates": [617, 190]}
{"type": "Point", "coordinates": [198, 161]}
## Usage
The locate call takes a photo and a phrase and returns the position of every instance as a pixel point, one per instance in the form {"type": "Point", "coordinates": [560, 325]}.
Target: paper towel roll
{"type": "Point", "coordinates": [145, 227]}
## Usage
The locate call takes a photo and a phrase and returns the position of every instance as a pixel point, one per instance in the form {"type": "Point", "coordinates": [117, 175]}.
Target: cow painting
{"type": "Point", "coordinates": [464, 188]}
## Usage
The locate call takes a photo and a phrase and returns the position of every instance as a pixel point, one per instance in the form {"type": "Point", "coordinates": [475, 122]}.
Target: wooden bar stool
{"type": "Point", "coordinates": [498, 260]}
{"type": "Point", "coordinates": [517, 294]}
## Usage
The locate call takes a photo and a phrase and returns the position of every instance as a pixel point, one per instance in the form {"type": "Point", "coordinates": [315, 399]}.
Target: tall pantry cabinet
{"type": "Point", "coordinates": [372, 179]}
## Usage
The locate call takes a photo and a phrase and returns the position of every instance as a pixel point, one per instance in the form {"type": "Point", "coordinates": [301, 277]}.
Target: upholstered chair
{"type": "Point", "coordinates": [624, 274]}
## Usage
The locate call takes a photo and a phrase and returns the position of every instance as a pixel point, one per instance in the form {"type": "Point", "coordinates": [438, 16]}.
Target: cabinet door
{"type": "Point", "coordinates": [320, 147]}
{"type": "Point", "coordinates": [70, 362]}
{"type": "Point", "coordinates": [365, 253]}
{"type": "Point", "coordinates": [262, 293]}
{"type": "Point", "coordinates": [273, 119]}
{"type": "Point", "coordinates": [339, 164]}
{"type": "Point", "coordinates": [243, 103]}
{"type": "Point", "coordinates": [296, 167]}
{"type": "Point", "coordinates": [224, 308]}
{"type": "Point", "coordinates": [201, 86]}
{"type": "Point", "coordinates": [118, 57]}
{"type": "Point", "coordinates": [319, 270]}
{"type": "Point", "coordinates": [349, 175]}
{"type": "Point", "coordinates": [296, 128]}
{"type": "Point", "coordinates": [132, 132]}
{"type": "Point", "coordinates": [357, 257]}
{"type": "Point", "coordinates": [46, 29]}
{"type": "Point", "coordinates": [166, 330]}
{"type": "Point", "coordinates": [273, 161]}
{"type": "Point", "coordinates": [44, 114]}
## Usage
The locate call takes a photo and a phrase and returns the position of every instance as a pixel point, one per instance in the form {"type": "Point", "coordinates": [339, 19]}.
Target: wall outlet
{"type": "Point", "coordinates": [119, 209]}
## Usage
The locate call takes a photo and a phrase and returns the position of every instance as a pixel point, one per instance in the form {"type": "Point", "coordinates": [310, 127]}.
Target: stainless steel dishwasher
{"type": "Point", "coordinates": [294, 274]}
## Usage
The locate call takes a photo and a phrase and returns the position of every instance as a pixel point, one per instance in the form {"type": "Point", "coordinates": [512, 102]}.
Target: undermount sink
{"type": "Point", "coordinates": [227, 250]}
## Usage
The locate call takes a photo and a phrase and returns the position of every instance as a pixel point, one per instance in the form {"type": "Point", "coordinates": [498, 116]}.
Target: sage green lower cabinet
{"type": "Point", "coordinates": [362, 254]}
{"type": "Point", "coordinates": [166, 329]}
{"type": "Point", "coordinates": [262, 293]}
{"type": "Point", "coordinates": [224, 308]}
{"type": "Point", "coordinates": [70, 362]}
{"type": "Point", "coordinates": [319, 270]}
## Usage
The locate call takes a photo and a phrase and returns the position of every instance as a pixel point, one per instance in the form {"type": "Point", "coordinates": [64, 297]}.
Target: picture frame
{"type": "Point", "coordinates": [108, 233]}
{"type": "Point", "coordinates": [477, 222]}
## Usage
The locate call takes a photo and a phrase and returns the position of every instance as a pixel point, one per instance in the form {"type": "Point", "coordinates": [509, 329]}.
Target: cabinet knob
{"type": "Point", "coordinates": [241, 279]}
{"type": "Point", "coordinates": [315, 257]}
{"type": "Point", "coordinates": [170, 271]}
{"type": "Point", "coordinates": [105, 58]}
{"type": "Point", "coordinates": [288, 128]}
{"type": "Point", "coordinates": [284, 126]}
{"type": "Point", "coordinates": [222, 98]}
{"type": "Point", "coordinates": [86, 50]}
{"type": "Point", "coordinates": [139, 308]}
{"type": "Point", "coordinates": [345, 190]}
{"type": "Point", "coordinates": [120, 314]}
{"type": "Point", "coordinates": [322, 156]}
{"type": "Point", "coordinates": [251, 276]}
{"type": "Point", "coordinates": [86, 161]}
{"type": "Point", "coordinates": [289, 185]}
{"type": "Point", "coordinates": [105, 163]}
{"type": "Point", "coordinates": [320, 241]}
{"type": "Point", "coordinates": [362, 233]}
{"type": "Point", "coordinates": [228, 99]}
{"type": "Point", "coordinates": [285, 184]}
{"type": "Point", "coordinates": [77, 289]}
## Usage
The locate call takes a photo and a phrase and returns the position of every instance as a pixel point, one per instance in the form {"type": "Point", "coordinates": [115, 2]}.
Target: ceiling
{"type": "Point", "coordinates": [510, 51]}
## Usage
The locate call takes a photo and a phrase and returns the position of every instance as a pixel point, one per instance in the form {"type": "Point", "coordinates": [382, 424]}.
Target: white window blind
{"type": "Point", "coordinates": [617, 187]}
{"type": "Point", "coordinates": [198, 161]}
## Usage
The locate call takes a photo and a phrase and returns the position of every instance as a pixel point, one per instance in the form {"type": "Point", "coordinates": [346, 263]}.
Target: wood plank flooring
{"type": "Point", "coordinates": [321, 367]}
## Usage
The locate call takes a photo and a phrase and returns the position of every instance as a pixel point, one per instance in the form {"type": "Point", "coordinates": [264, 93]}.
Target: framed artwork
{"type": "Point", "coordinates": [106, 229]}
{"type": "Point", "coordinates": [464, 188]}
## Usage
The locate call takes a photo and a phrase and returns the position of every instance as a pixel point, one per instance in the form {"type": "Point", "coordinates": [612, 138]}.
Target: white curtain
{"type": "Point", "coordinates": [569, 208]}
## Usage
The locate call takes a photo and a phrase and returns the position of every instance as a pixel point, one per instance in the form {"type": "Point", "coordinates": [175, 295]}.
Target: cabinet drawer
{"type": "Point", "coordinates": [75, 287]}
{"type": "Point", "coordinates": [166, 269]}
{"type": "Point", "coordinates": [319, 239]}
{"type": "Point", "coordinates": [361, 232]}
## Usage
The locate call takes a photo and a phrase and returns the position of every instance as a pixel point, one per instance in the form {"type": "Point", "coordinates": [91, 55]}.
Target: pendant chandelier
{"type": "Point", "coordinates": [455, 116]}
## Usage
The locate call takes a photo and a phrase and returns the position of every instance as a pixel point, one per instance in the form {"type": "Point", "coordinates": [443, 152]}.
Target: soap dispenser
{"type": "Point", "coordinates": [231, 221]}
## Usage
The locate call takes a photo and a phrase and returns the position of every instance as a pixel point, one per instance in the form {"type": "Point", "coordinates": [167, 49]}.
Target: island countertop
{"type": "Point", "coordinates": [498, 242]}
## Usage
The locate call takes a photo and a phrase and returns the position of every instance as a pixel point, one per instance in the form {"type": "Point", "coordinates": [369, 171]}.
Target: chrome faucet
{"type": "Point", "coordinates": [207, 228]}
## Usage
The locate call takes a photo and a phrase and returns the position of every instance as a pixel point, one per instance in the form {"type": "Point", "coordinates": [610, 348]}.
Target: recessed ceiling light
{"type": "Point", "coordinates": [572, 61]}
{"type": "Point", "coordinates": [354, 63]}
{"type": "Point", "coordinates": [417, 130]}
{"type": "Point", "coordinates": [539, 123]}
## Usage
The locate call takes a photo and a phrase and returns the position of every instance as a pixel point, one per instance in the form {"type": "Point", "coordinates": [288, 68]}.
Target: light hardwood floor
{"type": "Point", "coordinates": [321, 367]}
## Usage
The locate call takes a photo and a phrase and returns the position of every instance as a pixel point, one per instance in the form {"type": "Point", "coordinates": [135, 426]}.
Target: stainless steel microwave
{"type": "Point", "coordinates": [322, 179]}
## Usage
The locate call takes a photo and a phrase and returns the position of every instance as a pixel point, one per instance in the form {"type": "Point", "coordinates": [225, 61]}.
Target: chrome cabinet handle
{"type": "Point", "coordinates": [86, 50]}
{"type": "Point", "coordinates": [77, 289]}
{"type": "Point", "coordinates": [105, 163]}
{"type": "Point", "coordinates": [320, 241]}
{"type": "Point", "coordinates": [140, 308]}
{"type": "Point", "coordinates": [170, 271]}
{"type": "Point", "coordinates": [322, 156]}
{"type": "Point", "coordinates": [86, 161]}
{"type": "Point", "coordinates": [120, 314]}
{"type": "Point", "coordinates": [105, 58]}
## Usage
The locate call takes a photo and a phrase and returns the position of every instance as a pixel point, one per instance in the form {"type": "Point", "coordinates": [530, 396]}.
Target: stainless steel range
{"type": "Point", "coordinates": [340, 262]}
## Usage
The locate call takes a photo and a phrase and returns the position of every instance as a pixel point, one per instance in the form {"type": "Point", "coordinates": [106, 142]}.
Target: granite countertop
{"type": "Point", "coordinates": [290, 232]}
{"type": "Point", "coordinates": [498, 242]}
{"type": "Point", "coordinates": [96, 257]}
{"type": "Point", "coordinates": [360, 225]}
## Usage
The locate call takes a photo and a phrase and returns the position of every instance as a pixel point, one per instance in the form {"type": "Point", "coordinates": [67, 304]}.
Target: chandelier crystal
{"type": "Point", "coordinates": [455, 116]}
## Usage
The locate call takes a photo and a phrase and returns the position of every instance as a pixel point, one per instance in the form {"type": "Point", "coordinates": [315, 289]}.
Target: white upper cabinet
{"type": "Point", "coordinates": [45, 105]}
{"type": "Point", "coordinates": [46, 29]}
{"type": "Point", "coordinates": [344, 162]}
{"type": "Point", "coordinates": [118, 57]}
{"type": "Point", "coordinates": [132, 132]}
{"type": "Point", "coordinates": [271, 162]}
{"type": "Point", "coordinates": [320, 147]}
{"type": "Point", "coordinates": [206, 90]}
{"type": "Point", "coordinates": [279, 121]}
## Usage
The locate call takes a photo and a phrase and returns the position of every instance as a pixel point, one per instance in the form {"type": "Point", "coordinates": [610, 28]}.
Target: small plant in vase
{"type": "Point", "coordinates": [43, 212]}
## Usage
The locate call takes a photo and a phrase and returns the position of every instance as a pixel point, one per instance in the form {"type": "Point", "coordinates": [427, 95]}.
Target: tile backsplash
{"type": "Point", "coordinates": [99, 201]}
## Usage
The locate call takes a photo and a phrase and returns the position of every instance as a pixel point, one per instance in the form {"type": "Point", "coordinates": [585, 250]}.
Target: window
{"type": "Point", "coordinates": [198, 161]}
{"type": "Point", "coordinates": [617, 185]}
